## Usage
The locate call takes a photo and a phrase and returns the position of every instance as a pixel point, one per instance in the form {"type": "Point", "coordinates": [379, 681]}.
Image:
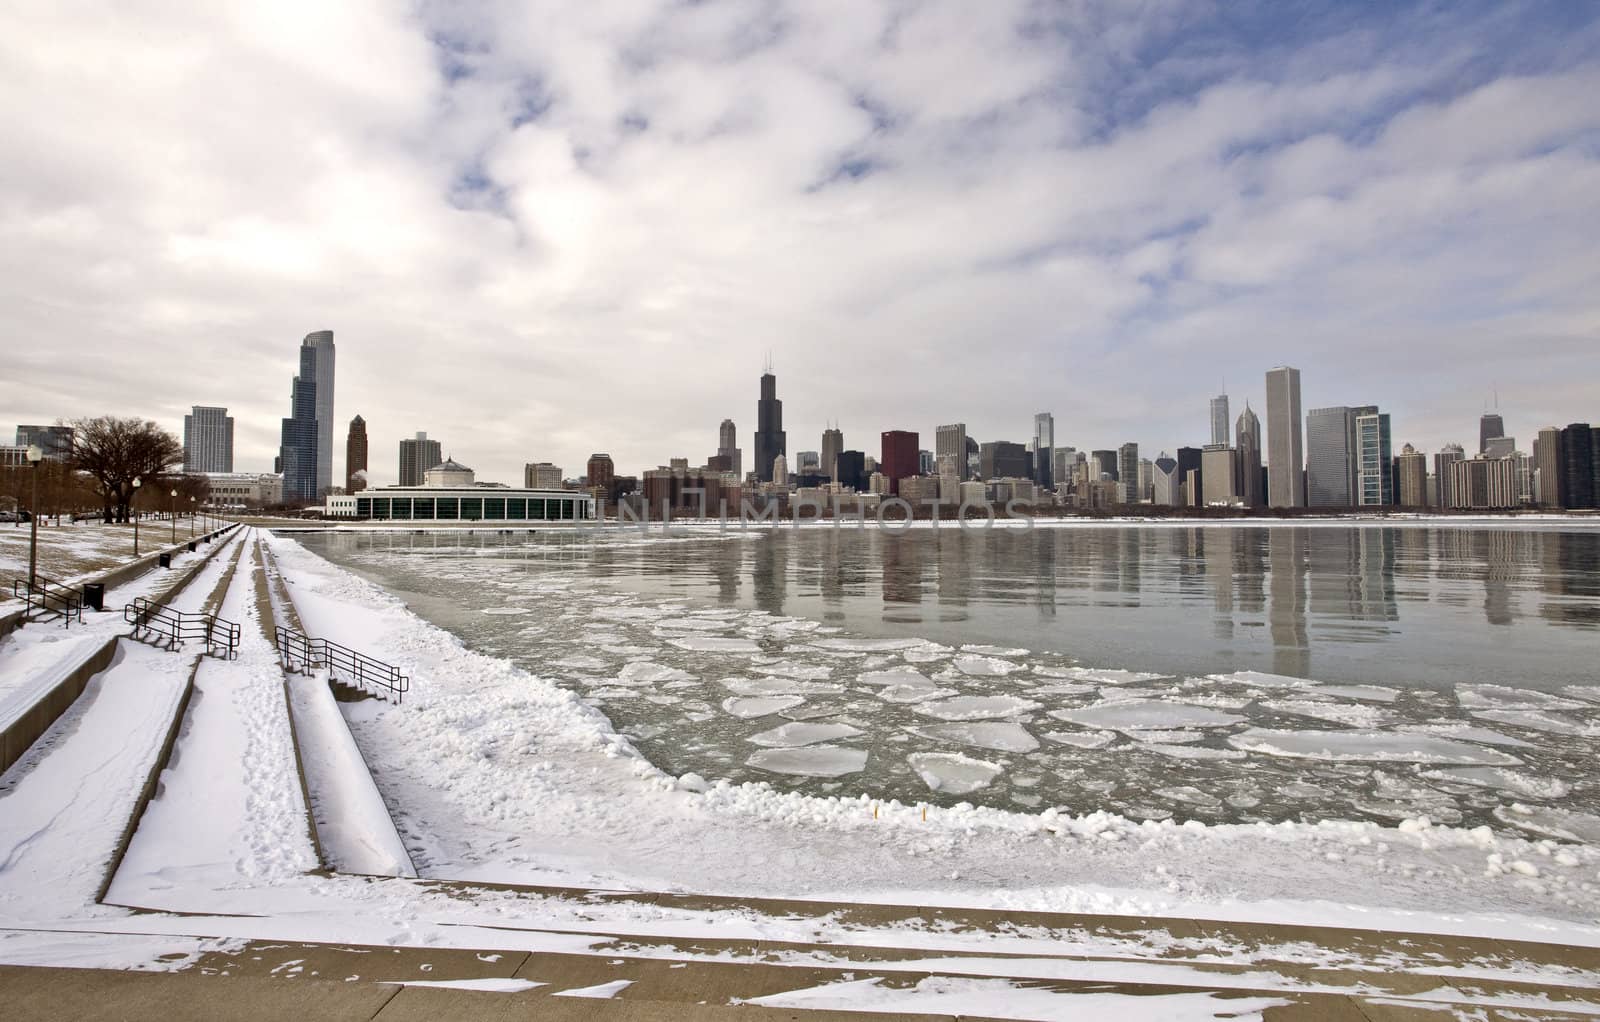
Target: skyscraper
{"type": "Point", "coordinates": [1330, 457]}
{"type": "Point", "coordinates": [951, 441]}
{"type": "Point", "coordinates": [1248, 431]}
{"type": "Point", "coordinates": [1448, 455]}
{"type": "Point", "coordinates": [1044, 442]}
{"type": "Point", "coordinates": [1128, 473]}
{"type": "Point", "coordinates": [832, 444]}
{"type": "Point", "coordinates": [1375, 479]}
{"type": "Point", "coordinates": [1105, 465]}
{"type": "Point", "coordinates": [208, 440]}
{"type": "Point", "coordinates": [1551, 464]}
{"type": "Point", "coordinates": [899, 457]}
{"type": "Point", "coordinates": [1284, 453]}
{"type": "Point", "coordinates": [321, 343]}
{"type": "Point", "coordinates": [1166, 489]}
{"type": "Point", "coordinates": [416, 457]}
{"type": "Point", "coordinates": [355, 456]}
{"type": "Point", "coordinates": [728, 447]}
{"type": "Point", "coordinates": [770, 438]}
{"type": "Point", "coordinates": [297, 446]}
{"type": "Point", "coordinates": [1002, 459]}
{"type": "Point", "coordinates": [1577, 451]}
{"type": "Point", "coordinates": [1219, 420]}
{"type": "Point", "coordinates": [1413, 478]}
{"type": "Point", "coordinates": [602, 475]}
{"type": "Point", "coordinates": [1189, 465]}
{"type": "Point", "coordinates": [1489, 427]}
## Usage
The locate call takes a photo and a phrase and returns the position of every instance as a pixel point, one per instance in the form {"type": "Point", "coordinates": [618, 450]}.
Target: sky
{"type": "Point", "coordinates": [540, 230]}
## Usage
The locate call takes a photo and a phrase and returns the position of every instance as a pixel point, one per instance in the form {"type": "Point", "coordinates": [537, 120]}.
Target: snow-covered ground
{"type": "Point", "coordinates": [497, 774]}
{"type": "Point", "coordinates": [69, 552]}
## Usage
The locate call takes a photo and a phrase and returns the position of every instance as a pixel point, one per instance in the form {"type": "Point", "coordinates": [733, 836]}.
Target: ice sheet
{"type": "Point", "coordinates": [976, 707]}
{"type": "Point", "coordinates": [1136, 714]}
{"type": "Point", "coordinates": [952, 773]}
{"type": "Point", "coordinates": [1360, 747]}
{"type": "Point", "coordinates": [796, 734]}
{"type": "Point", "coordinates": [811, 761]}
{"type": "Point", "coordinates": [759, 706]}
{"type": "Point", "coordinates": [1001, 737]}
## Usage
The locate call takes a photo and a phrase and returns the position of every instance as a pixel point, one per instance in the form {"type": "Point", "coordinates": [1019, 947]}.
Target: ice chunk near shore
{"type": "Point", "coordinates": [1467, 733]}
{"type": "Point", "coordinates": [1166, 737]}
{"type": "Point", "coordinates": [1536, 721]}
{"type": "Point", "coordinates": [976, 707]}
{"type": "Point", "coordinates": [1097, 675]}
{"type": "Point", "coordinates": [779, 687]}
{"type": "Point", "coordinates": [800, 672]}
{"type": "Point", "coordinates": [1082, 739]}
{"type": "Point", "coordinates": [1260, 679]}
{"type": "Point", "coordinates": [1192, 752]}
{"type": "Point", "coordinates": [999, 736]}
{"type": "Point", "coordinates": [1347, 714]}
{"type": "Point", "coordinates": [983, 650]}
{"type": "Point", "coordinates": [912, 693]}
{"type": "Point", "coordinates": [1503, 779]}
{"type": "Point", "coordinates": [866, 645]}
{"type": "Point", "coordinates": [1563, 824]}
{"type": "Point", "coordinates": [1367, 693]}
{"type": "Point", "coordinates": [759, 706]}
{"type": "Point", "coordinates": [1588, 693]}
{"type": "Point", "coordinates": [580, 663]}
{"type": "Point", "coordinates": [953, 773]}
{"type": "Point", "coordinates": [984, 666]}
{"type": "Point", "coordinates": [1145, 714]}
{"type": "Point", "coordinates": [1503, 697]}
{"type": "Point", "coordinates": [715, 644]}
{"type": "Point", "coordinates": [788, 736]}
{"type": "Point", "coordinates": [1367, 747]}
{"type": "Point", "coordinates": [896, 676]}
{"type": "Point", "coordinates": [810, 761]}
{"type": "Point", "coordinates": [643, 672]}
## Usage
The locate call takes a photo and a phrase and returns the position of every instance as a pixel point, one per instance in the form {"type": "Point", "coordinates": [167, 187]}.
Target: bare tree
{"type": "Point", "coordinates": [116, 451]}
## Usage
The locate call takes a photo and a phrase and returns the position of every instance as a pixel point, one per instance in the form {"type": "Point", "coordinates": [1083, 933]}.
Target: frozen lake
{"type": "Point", "coordinates": [1228, 673]}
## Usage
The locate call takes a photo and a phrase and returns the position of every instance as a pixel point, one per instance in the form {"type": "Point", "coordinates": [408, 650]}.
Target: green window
{"type": "Point", "coordinates": [536, 509]}
{"type": "Point", "coordinates": [380, 507]}
{"type": "Point", "coordinates": [449, 509]}
{"type": "Point", "coordinates": [422, 508]}
{"type": "Point", "coordinates": [471, 509]}
{"type": "Point", "coordinates": [566, 508]}
{"type": "Point", "coordinates": [363, 507]}
{"type": "Point", "coordinates": [517, 508]}
{"type": "Point", "coordinates": [400, 509]}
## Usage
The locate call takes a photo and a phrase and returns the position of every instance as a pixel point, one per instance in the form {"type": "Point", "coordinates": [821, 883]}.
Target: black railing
{"type": "Point", "coordinates": [157, 624]}
{"type": "Point", "coordinates": [48, 596]}
{"type": "Point", "coordinates": [301, 652]}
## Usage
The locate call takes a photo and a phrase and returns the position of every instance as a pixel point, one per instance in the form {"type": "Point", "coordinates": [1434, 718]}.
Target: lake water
{"type": "Point", "coordinates": [1220, 673]}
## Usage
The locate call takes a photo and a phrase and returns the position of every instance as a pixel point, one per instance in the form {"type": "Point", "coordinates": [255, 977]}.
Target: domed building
{"type": "Point", "coordinates": [449, 472]}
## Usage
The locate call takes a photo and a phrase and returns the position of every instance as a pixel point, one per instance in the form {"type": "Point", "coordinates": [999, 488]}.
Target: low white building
{"type": "Point", "coordinates": [451, 493]}
{"type": "Point", "coordinates": [251, 489]}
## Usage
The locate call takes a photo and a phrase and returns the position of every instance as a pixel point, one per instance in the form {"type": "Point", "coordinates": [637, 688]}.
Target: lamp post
{"type": "Point", "coordinates": [191, 517]}
{"type": "Point", "coordinates": [137, 482]}
{"type": "Point", "coordinates": [35, 456]}
{"type": "Point", "coordinates": [174, 517]}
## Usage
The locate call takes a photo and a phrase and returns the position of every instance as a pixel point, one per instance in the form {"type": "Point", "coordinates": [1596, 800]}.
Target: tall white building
{"type": "Point", "coordinates": [1219, 420]}
{"type": "Point", "coordinates": [1285, 454]}
{"type": "Point", "coordinates": [1374, 461]}
{"type": "Point", "coordinates": [208, 440]}
{"type": "Point", "coordinates": [322, 341]}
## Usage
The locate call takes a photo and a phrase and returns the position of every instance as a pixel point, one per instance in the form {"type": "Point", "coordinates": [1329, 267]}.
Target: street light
{"type": "Point", "coordinates": [137, 482]}
{"type": "Point", "coordinates": [191, 517]}
{"type": "Point", "coordinates": [174, 517]}
{"type": "Point", "coordinates": [35, 456]}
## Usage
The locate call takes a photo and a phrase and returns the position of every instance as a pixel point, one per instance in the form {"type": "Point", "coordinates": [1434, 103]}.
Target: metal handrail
{"type": "Point", "coordinates": [365, 672]}
{"type": "Point", "coordinates": [50, 596]}
{"type": "Point", "coordinates": [176, 627]}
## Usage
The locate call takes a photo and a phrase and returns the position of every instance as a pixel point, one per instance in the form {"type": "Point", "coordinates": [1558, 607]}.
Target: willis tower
{"type": "Point", "coordinates": [770, 439]}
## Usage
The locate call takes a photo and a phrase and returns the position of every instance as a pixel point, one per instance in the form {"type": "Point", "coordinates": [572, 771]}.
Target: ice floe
{"type": "Point", "coordinates": [1552, 822]}
{"type": "Point", "coordinates": [1348, 714]}
{"type": "Point", "coordinates": [1260, 679]}
{"type": "Point", "coordinates": [861, 645]}
{"type": "Point", "coordinates": [1467, 733]}
{"type": "Point", "coordinates": [715, 644]}
{"type": "Point", "coordinates": [759, 706]}
{"type": "Point", "coordinates": [982, 650]}
{"type": "Point", "coordinates": [1192, 752]}
{"type": "Point", "coordinates": [1082, 739]}
{"type": "Point", "coordinates": [984, 666]}
{"type": "Point", "coordinates": [1537, 721]}
{"type": "Point", "coordinates": [912, 693]}
{"type": "Point", "coordinates": [953, 773]}
{"type": "Point", "coordinates": [1367, 747]}
{"type": "Point", "coordinates": [1141, 714]}
{"type": "Point", "coordinates": [999, 736]}
{"type": "Point", "coordinates": [1504, 780]}
{"type": "Point", "coordinates": [1096, 675]}
{"type": "Point", "coordinates": [811, 761]}
{"type": "Point", "coordinates": [779, 687]}
{"type": "Point", "coordinates": [899, 676]}
{"type": "Point", "coordinates": [792, 735]}
{"type": "Point", "coordinates": [976, 707]}
{"type": "Point", "coordinates": [1503, 697]}
{"type": "Point", "coordinates": [643, 672]}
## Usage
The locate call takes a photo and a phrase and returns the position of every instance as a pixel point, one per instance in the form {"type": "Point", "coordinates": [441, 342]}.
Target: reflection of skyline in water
{"type": "Point", "coordinates": [1421, 604]}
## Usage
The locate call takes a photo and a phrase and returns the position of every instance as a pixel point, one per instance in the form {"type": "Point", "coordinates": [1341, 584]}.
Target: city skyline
{"type": "Point", "coordinates": [1133, 207]}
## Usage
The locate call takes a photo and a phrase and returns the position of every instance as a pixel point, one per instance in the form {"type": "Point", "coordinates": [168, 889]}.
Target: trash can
{"type": "Point", "coordinates": [191, 546]}
{"type": "Point", "coordinates": [166, 560]}
{"type": "Point", "coordinates": [94, 595]}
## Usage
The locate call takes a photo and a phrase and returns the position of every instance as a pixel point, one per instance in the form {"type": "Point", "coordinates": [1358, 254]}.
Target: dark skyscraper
{"type": "Point", "coordinates": [1489, 427]}
{"type": "Point", "coordinates": [1003, 459]}
{"type": "Point", "coordinates": [355, 456]}
{"type": "Point", "coordinates": [1577, 449]}
{"type": "Point", "coordinates": [900, 449]}
{"type": "Point", "coordinates": [851, 467]}
{"type": "Point", "coordinates": [1248, 433]}
{"type": "Point", "coordinates": [1106, 463]}
{"type": "Point", "coordinates": [770, 438]}
{"type": "Point", "coordinates": [1189, 462]}
{"type": "Point", "coordinates": [297, 453]}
